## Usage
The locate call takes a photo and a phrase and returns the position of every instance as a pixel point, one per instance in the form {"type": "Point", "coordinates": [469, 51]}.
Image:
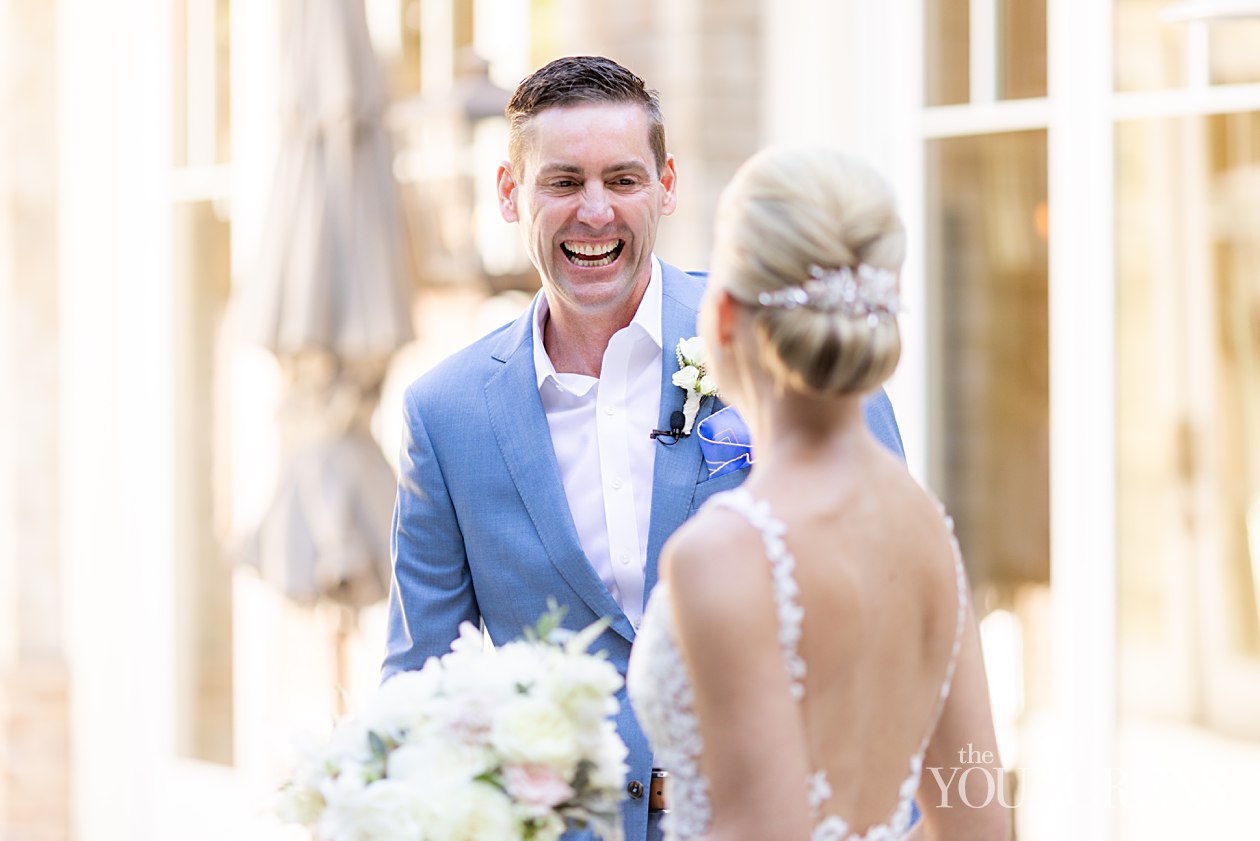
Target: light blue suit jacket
{"type": "Point", "coordinates": [482, 529]}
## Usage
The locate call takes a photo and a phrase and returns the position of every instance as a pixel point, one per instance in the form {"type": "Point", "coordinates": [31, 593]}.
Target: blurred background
{"type": "Point", "coordinates": [231, 233]}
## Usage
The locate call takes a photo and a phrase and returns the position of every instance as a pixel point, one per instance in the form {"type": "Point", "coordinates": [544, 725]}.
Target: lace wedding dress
{"type": "Point", "coordinates": [663, 700]}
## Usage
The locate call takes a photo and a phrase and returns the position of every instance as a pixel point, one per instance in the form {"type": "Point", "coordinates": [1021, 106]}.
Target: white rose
{"type": "Point", "coordinates": [348, 744]}
{"type": "Point", "coordinates": [387, 810]}
{"type": "Point", "coordinates": [492, 677]}
{"type": "Point", "coordinates": [452, 761]}
{"type": "Point", "coordinates": [400, 704]}
{"type": "Point", "coordinates": [295, 804]}
{"type": "Point", "coordinates": [474, 812]}
{"type": "Point", "coordinates": [693, 351]}
{"type": "Point", "coordinates": [585, 687]}
{"type": "Point", "coordinates": [608, 752]}
{"type": "Point", "coordinates": [469, 641]}
{"type": "Point", "coordinates": [707, 385]}
{"type": "Point", "coordinates": [686, 377]}
{"type": "Point", "coordinates": [314, 762]}
{"type": "Point", "coordinates": [465, 716]}
{"type": "Point", "coordinates": [546, 827]}
{"type": "Point", "coordinates": [352, 777]}
{"type": "Point", "coordinates": [536, 730]}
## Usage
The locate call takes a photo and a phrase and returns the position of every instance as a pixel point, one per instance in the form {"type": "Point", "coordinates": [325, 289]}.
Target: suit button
{"type": "Point", "coordinates": [635, 789]}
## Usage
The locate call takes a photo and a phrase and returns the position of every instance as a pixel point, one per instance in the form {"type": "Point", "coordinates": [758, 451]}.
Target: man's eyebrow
{"type": "Point", "coordinates": [626, 166]}
{"type": "Point", "coordinates": [560, 169]}
{"type": "Point", "coordinates": [573, 169]}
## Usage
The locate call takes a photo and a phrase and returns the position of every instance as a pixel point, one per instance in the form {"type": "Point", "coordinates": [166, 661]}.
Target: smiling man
{"type": "Point", "coordinates": [588, 181]}
{"type": "Point", "coordinates": [528, 470]}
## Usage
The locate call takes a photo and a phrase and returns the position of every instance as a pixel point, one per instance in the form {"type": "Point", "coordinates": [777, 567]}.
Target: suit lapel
{"type": "Point", "coordinates": [524, 439]}
{"type": "Point", "coordinates": [677, 466]}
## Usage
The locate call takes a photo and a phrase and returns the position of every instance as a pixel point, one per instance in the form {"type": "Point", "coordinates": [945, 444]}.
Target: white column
{"type": "Point", "coordinates": [437, 53]}
{"type": "Point", "coordinates": [850, 75]}
{"type": "Point", "coordinates": [252, 387]}
{"type": "Point", "coordinates": [114, 71]}
{"type": "Point", "coordinates": [805, 95]}
{"type": "Point", "coordinates": [1082, 417]}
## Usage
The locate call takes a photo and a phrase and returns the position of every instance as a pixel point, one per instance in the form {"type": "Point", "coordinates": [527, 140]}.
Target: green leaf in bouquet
{"type": "Point", "coordinates": [580, 642]}
{"type": "Point", "coordinates": [379, 749]}
{"type": "Point", "coordinates": [582, 776]}
{"type": "Point", "coordinates": [548, 622]}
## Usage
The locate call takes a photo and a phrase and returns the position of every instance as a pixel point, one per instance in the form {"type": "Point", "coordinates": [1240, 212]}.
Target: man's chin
{"type": "Point", "coordinates": [596, 292]}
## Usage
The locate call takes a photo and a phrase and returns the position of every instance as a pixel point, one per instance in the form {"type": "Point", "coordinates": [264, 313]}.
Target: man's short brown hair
{"type": "Point", "coordinates": [575, 80]}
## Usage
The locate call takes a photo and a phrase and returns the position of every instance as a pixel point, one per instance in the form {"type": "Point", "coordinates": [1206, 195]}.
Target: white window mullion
{"type": "Point", "coordinates": [1186, 102]}
{"type": "Point", "coordinates": [989, 118]}
{"type": "Point", "coordinates": [1212, 10]}
{"type": "Point", "coordinates": [1199, 55]}
{"type": "Point", "coordinates": [984, 51]}
{"type": "Point", "coordinates": [202, 86]}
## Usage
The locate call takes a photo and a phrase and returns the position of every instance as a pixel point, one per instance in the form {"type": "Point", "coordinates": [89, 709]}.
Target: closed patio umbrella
{"type": "Point", "coordinates": [330, 296]}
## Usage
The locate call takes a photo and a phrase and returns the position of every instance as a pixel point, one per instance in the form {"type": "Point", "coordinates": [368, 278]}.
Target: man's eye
{"type": "Point", "coordinates": [564, 184]}
{"type": "Point", "coordinates": [625, 182]}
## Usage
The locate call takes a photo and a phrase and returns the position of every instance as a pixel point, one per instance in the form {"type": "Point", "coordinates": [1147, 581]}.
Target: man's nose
{"type": "Point", "coordinates": [596, 209]}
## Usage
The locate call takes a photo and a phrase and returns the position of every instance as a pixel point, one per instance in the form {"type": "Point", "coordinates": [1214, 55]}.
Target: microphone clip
{"type": "Point", "coordinates": [676, 422]}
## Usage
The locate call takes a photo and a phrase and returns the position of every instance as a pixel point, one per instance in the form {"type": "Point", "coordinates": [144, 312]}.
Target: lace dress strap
{"type": "Point", "coordinates": [960, 582]}
{"type": "Point", "coordinates": [782, 567]}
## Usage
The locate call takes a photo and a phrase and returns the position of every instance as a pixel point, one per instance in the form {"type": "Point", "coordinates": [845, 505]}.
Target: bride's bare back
{"type": "Point", "coordinates": [879, 596]}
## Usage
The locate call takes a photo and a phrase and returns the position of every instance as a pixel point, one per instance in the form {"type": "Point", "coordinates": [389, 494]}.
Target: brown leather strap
{"type": "Point", "coordinates": [656, 791]}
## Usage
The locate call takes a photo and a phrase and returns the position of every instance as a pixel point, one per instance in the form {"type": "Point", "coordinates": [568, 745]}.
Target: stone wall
{"type": "Point", "coordinates": [34, 751]}
{"type": "Point", "coordinates": [34, 720]}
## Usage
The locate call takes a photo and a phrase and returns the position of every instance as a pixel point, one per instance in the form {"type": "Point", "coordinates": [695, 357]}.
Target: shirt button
{"type": "Point", "coordinates": [610, 410]}
{"type": "Point", "coordinates": [624, 557]}
{"type": "Point", "coordinates": [616, 484]}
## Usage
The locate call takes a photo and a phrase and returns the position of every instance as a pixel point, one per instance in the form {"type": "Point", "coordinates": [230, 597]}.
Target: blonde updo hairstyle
{"type": "Point", "coordinates": [791, 209]}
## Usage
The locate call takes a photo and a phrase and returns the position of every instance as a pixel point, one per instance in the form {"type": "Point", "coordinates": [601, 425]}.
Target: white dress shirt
{"type": "Point", "coordinates": [599, 429]}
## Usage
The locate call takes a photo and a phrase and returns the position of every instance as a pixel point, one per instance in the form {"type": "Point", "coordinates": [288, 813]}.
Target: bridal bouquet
{"type": "Point", "coordinates": [514, 743]}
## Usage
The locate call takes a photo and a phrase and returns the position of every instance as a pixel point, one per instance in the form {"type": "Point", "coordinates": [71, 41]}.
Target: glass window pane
{"type": "Point", "coordinates": [1188, 416]}
{"type": "Point", "coordinates": [1150, 53]}
{"type": "Point", "coordinates": [988, 259]}
{"type": "Point", "coordinates": [1236, 52]}
{"type": "Point", "coordinates": [946, 35]}
{"type": "Point", "coordinates": [1022, 40]}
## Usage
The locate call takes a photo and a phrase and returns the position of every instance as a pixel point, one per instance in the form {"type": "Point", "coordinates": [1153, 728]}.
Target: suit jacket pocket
{"type": "Point", "coordinates": [708, 487]}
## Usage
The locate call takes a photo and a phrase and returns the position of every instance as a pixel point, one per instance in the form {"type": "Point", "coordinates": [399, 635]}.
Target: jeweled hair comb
{"type": "Point", "coordinates": [862, 292]}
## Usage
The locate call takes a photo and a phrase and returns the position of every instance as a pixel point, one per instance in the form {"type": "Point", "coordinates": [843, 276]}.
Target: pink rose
{"type": "Point", "coordinates": [536, 786]}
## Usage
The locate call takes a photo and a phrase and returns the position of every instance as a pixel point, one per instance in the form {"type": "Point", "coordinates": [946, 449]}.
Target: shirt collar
{"type": "Point", "coordinates": [647, 317]}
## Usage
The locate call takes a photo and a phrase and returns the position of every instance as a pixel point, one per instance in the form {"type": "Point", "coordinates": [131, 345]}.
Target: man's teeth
{"type": "Point", "coordinates": [592, 253]}
{"type": "Point", "coordinates": [591, 249]}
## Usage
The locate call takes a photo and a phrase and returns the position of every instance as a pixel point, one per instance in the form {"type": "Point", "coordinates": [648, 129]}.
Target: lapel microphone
{"type": "Point", "coordinates": [676, 421]}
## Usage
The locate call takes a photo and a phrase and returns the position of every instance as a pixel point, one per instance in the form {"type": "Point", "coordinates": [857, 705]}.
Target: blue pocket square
{"type": "Point", "coordinates": [725, 442]}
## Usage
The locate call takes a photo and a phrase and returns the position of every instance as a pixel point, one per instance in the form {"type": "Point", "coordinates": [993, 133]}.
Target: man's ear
{"type": "Point", "coordinates": [506, 187]}
{"type": "Point", "coordinates": [669, 180]}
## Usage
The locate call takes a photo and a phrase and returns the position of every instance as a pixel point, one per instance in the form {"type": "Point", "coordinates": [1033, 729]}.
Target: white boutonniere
{"type": "Point", "coordinates": [692, 377]}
